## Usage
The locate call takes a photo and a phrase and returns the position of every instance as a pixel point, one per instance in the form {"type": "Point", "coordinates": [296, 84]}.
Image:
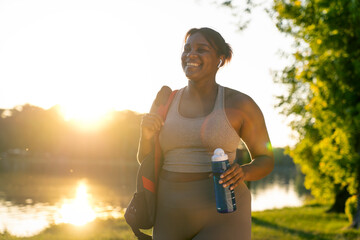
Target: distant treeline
{"type": "Point", "coordinates": [35, 132]}
{"type": "Point", "coordinates": [34, 138]}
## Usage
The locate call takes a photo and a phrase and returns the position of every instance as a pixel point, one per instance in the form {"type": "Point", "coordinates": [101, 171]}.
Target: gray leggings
{"type": "Point", "coordinates": [187, 210]}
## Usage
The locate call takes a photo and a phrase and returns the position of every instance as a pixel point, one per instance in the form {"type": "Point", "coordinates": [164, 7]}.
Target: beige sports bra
{"type": "Point", "coordinates": [188, 143]}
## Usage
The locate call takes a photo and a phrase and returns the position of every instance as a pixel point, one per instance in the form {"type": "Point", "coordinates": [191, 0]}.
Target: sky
{"type": "Point", "coordinates": [95, 56]}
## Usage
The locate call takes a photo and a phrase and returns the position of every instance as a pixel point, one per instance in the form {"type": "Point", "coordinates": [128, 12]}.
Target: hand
{"type": "Point", "coordinates": [151, 123]}
{"type": "Point", "coordinates": [233, 176]}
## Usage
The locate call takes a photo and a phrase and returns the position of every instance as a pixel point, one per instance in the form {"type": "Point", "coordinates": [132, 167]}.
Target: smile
{"type": "Point", "coordinates": [192, 64]}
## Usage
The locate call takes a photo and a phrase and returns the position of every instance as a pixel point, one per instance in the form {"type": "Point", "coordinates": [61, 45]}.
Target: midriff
{"type": "Point", "coordinates": [183, 177]}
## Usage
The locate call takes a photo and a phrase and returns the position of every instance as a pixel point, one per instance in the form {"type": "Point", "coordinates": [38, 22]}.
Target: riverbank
{"type": "Point", "coordinates": [308, 222]}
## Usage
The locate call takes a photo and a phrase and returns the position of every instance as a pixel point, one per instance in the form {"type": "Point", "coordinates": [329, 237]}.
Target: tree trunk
{"type": "Point", "coordinates": [340, 199]}
{"type": "Point", "coordinates": [356, 220]}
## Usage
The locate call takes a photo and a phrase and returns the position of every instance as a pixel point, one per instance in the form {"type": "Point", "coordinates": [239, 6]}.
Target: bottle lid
{"type": "Point", "coordinates": [219, 155]}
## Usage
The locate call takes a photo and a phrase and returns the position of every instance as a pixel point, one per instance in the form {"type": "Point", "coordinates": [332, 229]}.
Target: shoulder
{"type": "Point", "coordinates": [238, 100]}
{"type": "Point", "coordinates": [161, 98]}
{"type": "Point", "coordinates": [240, 108]}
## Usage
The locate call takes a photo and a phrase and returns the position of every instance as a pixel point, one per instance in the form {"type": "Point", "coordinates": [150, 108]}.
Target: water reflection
{"type": "Point", "coordinates": [276, 196]}
{"type": "Point", "coordinates": [25, 220]}
{"type": "Point", "coordinates": [282, 188]}
{"type": "Point", "coordinates": [30, 218]}
{"type": "Point", "coordinates": [77, 211]}
{"type": "Point", "coordinates": [29, 204]}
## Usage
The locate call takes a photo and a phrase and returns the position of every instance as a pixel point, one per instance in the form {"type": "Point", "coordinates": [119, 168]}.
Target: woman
{"type": "Point", "coordinates": [202, 117]}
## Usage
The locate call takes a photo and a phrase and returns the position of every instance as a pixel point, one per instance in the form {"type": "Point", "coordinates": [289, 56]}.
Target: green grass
{"type": "Point", "coordinates": [308, 222]}
{"type": "Point", "coordinates": [96, 230]}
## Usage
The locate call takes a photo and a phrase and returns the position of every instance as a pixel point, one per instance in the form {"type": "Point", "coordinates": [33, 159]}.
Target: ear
{"type": "Point", "coordinates": [221, 61]}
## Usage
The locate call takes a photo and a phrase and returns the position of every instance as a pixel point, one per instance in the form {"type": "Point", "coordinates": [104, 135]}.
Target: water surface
{"type": "Point", "coordinates": [29, 203]}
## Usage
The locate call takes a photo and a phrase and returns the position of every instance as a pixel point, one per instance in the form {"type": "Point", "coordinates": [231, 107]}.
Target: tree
{"type": "Point", "coordinates": [241, 9]}
{"type": "Point", "coordinates": [323, 97]}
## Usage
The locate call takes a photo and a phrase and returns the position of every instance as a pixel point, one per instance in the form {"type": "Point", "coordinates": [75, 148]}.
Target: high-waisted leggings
{"type": "Point", "coordinates": [187, 211]}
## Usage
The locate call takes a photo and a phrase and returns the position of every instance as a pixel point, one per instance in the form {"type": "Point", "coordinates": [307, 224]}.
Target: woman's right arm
{"type": "Point", "coordinates": [151, 124]}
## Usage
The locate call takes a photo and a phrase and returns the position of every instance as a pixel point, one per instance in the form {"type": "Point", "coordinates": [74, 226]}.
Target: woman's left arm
{"type": "Point", "coordinates": [254, 133]}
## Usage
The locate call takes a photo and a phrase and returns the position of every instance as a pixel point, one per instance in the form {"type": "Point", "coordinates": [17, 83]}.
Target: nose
{"type": "Point", "coordinates": [191, 53]}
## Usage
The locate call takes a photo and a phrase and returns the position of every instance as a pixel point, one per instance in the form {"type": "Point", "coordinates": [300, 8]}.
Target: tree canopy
{"type": "Point", "coordinates": [323, 91]}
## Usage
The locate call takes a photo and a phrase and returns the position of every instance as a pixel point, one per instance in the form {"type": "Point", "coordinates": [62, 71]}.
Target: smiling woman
{"type": "Point", "coordinates": [53, 51]}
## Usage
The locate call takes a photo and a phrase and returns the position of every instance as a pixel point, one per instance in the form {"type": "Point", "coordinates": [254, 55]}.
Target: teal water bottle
{"type": "Point", "coordinates": [225, 198]}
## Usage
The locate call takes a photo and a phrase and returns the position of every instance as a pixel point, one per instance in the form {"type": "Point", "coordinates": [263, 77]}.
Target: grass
{"type": "Point", "coordinates": [307, 222]}
{"type": "Point", "coordinates": [96, 230]}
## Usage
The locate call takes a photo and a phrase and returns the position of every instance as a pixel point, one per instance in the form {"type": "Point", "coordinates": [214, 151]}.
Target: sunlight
{"type": "Point", "coordinates": [77, 211]}
{"type": "Point", "coordinates": [23, 221]}
{"type": "Point", "coordinates": [85, 117]}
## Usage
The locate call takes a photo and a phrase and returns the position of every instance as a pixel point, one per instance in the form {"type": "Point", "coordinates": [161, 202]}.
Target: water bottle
{"type": "Point", "coordinates": [225, 198]}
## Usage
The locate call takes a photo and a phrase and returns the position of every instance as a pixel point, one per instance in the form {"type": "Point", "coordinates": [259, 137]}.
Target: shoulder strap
{"type": "Point", "coordinates": [147, 183]}
{"type": "Point", "coordinates": [162, 111]}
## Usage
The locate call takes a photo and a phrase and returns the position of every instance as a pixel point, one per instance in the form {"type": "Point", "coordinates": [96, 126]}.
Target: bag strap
{"type": "Point", "coordinates": [140, 235]}
{"type": "Point", "coordinates": [162, 111]}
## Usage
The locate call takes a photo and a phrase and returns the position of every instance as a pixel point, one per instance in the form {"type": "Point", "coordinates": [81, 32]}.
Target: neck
{"type": "Point", "coordinates": [202, 88]}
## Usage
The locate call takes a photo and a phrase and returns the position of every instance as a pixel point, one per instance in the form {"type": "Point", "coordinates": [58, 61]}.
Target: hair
{"type": "Point", "coordinates": [215, 40]}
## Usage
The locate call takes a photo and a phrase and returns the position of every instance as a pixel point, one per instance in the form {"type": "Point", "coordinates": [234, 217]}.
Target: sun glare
{"type": "Point", "coordinates": [77, 211]}
{"type": "Point", "coordinates": [86, 117]}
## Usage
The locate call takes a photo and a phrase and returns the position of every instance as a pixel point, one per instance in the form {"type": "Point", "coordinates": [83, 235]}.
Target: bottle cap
{"type": "Point", "coordinates": [219, 155]}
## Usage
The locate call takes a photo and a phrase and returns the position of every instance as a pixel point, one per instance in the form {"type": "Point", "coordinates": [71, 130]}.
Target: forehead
{"type": "Point", "coordinates": [197, 38]}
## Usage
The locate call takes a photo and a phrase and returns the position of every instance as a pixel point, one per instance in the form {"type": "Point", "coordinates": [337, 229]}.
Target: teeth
{"type": "Point", "coordinates": [192, 64]}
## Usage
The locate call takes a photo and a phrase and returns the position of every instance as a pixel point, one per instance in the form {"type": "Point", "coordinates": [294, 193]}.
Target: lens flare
{"type": "Point", "coordinates": [268, 146]}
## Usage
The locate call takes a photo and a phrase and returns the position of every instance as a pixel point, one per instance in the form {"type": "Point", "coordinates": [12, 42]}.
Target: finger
{"type": "Point", "coordinates": [149, 124]}
{"type": "Point", "coordinates": [155, 116]}
{"type": "Point", "coordinates": [227, 178]}
{"type": "Point", "coordinates": [152, 121]}
{"type": "Point", "coordinates": [236, 183]}
{"type": "Point", "coordinates": [233, 175]}
{"type": "Point", "coordinates": [149, 128]}
{"type": "Point", "coordinates": [236, 176]}
{"type": "Point", "coordinates": [230, 170]}
{"type": "Point", "coordinates": [230, 173]}
{"type": "Point", "coordinates": [233, 185]}
{"type": "Point", "coordinates": [156, 123]}
{"type": "Point", "coordinates": [227, 172]}
{"type": "Point", "coordinates": [234, 179]}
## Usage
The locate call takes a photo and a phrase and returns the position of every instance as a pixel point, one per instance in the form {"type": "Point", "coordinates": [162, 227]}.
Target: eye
{"type": "Point", "coordinates": [202, 48]}
{"type": "Point", "coordinates": [186, 49]}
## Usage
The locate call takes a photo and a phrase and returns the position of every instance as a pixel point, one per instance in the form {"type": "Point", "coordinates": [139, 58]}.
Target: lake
{"type": "Point", "coordinates": [29, 203]}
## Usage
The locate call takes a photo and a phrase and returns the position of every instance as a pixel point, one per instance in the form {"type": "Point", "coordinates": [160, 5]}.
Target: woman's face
{"type": "Point", "coordinates": [199, 59]}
